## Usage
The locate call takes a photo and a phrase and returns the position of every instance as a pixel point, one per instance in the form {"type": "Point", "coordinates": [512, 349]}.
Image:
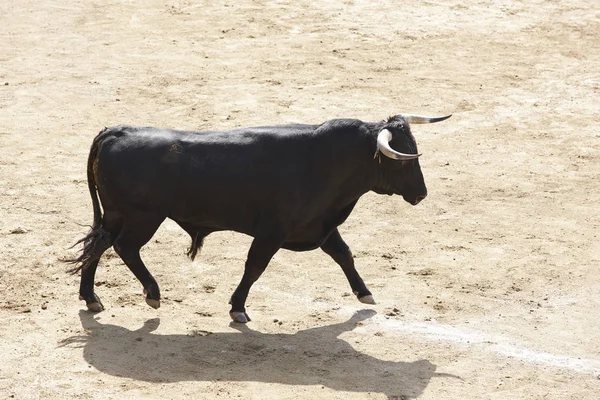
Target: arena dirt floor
{"type": "Point", "coordinates": [488, 289]}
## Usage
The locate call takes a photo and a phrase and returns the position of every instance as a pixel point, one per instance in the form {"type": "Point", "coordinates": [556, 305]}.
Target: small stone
{"type": "Point", "coordinates": [395, 311]}
{"type": "Point", "coordinates": [18, 231]}
{"type": "Point", "coordinates": [45, 306]}
{"type": "Point", "coordinates": [138, 339]}
{"type": "Point", "coordinates": [204, 313]}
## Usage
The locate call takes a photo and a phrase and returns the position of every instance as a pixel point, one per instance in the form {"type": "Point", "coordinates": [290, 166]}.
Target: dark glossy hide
{"type": "Point", "coordinates": [288, 186]}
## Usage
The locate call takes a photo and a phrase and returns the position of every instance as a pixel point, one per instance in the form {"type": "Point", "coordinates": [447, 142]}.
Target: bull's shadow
{"type": "Point", "coordinates": [313, 356]}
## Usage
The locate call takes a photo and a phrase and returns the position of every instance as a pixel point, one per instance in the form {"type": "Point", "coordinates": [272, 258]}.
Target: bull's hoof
{"type": "Point", "coordinates": [153, 303]}
{"type": "Point", "coordinates": [238, 316]}
{"type": "Point", "coordinates": [93, 306]}
{"type": "Point", "coordinates": [368, 299]}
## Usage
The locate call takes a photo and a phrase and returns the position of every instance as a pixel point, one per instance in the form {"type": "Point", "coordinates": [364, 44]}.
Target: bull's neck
{"type": "Point", "coordinates": [381, 178]}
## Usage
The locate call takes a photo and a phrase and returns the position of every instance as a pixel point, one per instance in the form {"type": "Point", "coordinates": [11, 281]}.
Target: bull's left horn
{"type": "Point", "coordinates": [383, 144]}
{"type": "Point", "coordinates": [419, 119]}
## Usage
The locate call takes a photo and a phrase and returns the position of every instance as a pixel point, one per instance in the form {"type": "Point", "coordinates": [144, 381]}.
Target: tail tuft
{"type": "Point", "coordinates": [95, 243]}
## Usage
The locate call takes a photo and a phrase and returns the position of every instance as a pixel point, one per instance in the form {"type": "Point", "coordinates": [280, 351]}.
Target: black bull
{"type": "Point", "coordinates": [287, 186]}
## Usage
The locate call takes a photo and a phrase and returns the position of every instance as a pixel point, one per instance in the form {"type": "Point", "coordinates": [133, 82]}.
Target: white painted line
{"type": "Point", "coordinates": [446, 333]}
{"type": "Point", "coordinates": [497, 344]}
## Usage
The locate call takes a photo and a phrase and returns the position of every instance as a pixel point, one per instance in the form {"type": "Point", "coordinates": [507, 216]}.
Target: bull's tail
{"type": "Point", "coordinates": [98, 240]}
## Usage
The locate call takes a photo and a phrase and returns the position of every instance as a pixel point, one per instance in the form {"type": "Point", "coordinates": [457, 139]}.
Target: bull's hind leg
{"type": "Point", "coordinates": [86, 288]}
{"type": "Point", "coordinates": [261, 252]}
{"type": "Point", "coordinates": [137, 230]}
{"type": "Point", "coordinates": [341, 254]}
{"type": "Point", "coordinates": [99, 240]}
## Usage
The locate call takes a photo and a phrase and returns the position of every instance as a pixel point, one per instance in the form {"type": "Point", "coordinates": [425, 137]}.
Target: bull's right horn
{"type": "Point", "coordinates": [383, 144]}
{"type": "Point", "coordinates": [419, 119]}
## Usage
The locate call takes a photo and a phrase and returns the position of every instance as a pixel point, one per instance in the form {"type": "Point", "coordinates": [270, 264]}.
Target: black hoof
{"type": "Point", "coordinates": [153, 303]}
{"type": "Point", "coordinates": [368, 299]}
{"type": "Point", "coordinates": [93, 304]}
{"type": "Point", "coordinates": [238, 316]}
{"type": "Point", "coordinates": [151, 299]}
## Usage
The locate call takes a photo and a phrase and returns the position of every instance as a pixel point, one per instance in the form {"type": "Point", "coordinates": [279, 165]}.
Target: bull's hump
{"type": "Point", "coordinates": [276, 130]}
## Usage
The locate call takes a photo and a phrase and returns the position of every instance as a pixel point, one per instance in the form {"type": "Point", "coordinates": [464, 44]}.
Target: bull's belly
{"type": "Point", "coordinates": [302, 246]}
{"type": "Point", "coordinates": [300, 239]}
{"type": "Point", "coordinates": [306, 239]}
{"type": "Point", "coordinates": [301, 234]}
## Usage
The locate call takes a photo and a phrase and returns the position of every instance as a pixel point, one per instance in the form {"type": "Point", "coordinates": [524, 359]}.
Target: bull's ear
{"type": "Point", "coordinates": [420, 119]}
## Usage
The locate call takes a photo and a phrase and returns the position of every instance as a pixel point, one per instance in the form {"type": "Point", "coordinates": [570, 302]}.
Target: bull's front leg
{"type": "Point", "coordinates": [341, 254]}
{"type": "Point", "coordinates": [261, 252]}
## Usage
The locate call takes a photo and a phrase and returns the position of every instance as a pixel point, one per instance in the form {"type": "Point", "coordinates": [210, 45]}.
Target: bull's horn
{"type": "Point", "coordinates": [419, 119]}
{"type": "Point", "coordinates": [383, 144]}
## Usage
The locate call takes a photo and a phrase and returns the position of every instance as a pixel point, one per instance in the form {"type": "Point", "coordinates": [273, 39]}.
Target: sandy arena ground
{"type": "Point", "coordinates": [489, 289]}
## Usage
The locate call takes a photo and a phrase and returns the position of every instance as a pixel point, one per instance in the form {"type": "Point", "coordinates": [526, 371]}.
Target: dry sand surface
{"type": "Point", "coordinates": [489, 289]}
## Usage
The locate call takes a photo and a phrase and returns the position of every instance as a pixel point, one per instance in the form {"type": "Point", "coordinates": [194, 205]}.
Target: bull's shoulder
{"type": "Point", "coordinates": [345, 129]}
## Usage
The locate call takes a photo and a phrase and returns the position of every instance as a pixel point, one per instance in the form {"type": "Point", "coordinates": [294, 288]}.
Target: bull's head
{"type": "Point", "coordinates": [402, 173]}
